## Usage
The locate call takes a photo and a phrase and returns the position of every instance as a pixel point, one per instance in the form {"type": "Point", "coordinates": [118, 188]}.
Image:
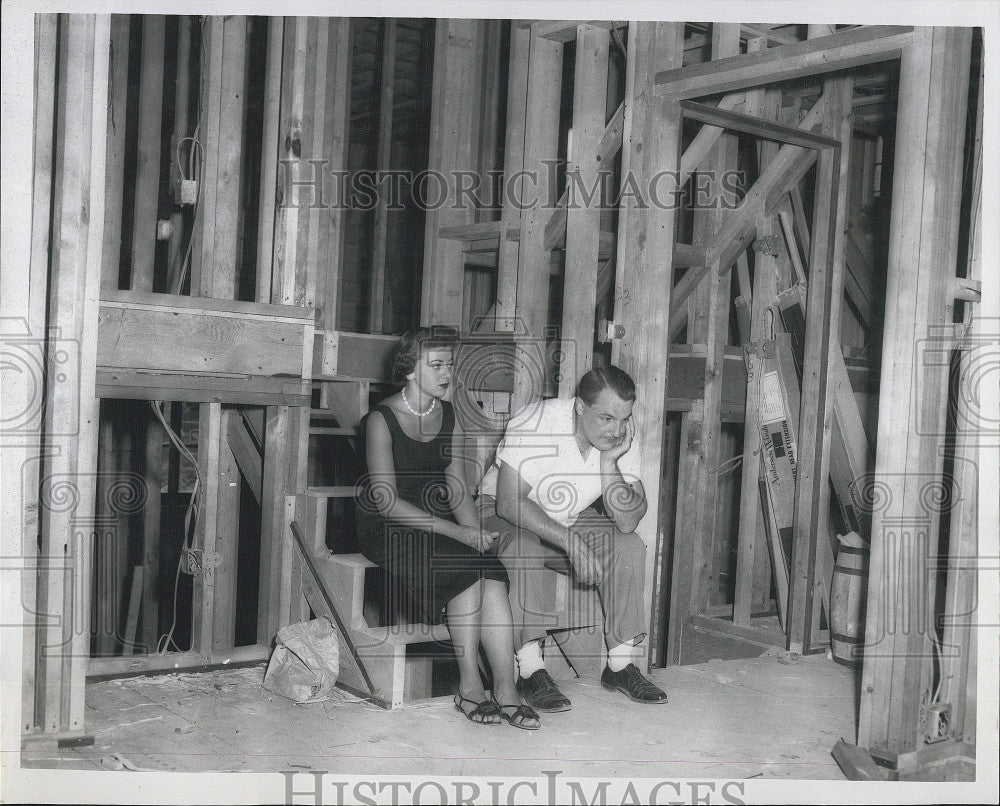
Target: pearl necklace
{"type": "Point", "coordinates": [406, 403]}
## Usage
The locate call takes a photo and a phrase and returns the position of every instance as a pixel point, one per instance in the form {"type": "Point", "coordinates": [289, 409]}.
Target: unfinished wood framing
{"type": "Point", "coordinates": [647, 236]}
{"type": "Point", "coordinates": [583, 221]}
{"type": "Point", "coordinates": [454, 142]}
{"type": "Point", "coordinates": [256, 368]}
{"type": "Point", "coordinates": [114, 170]}
{"type": "Point", "coordinates": [541, 134]}
{"type": "Point", "coordinates": [71, 414]}
{"type": "Point", "coordinates": [147, 182]}
{"type": "Point", "coordinates": [812, 559]}
{"type": "Point", "coordinates": [931, 119]}
{"type": "Point", "coordinates": [700, 436]}
{"type": "Point", "coordinates": [213, 266]}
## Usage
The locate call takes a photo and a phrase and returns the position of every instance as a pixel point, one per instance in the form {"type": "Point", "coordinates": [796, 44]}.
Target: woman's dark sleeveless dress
{"type": "Point", "coordinates": [428, 568]}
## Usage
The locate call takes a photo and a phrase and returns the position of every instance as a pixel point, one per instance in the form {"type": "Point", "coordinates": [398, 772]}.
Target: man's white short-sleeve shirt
{"type": "Point", "coordinates": [539, 444]}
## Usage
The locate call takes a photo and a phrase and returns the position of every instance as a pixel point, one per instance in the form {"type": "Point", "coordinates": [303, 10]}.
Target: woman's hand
{"type": "Point", "coordinates": [479, 539]}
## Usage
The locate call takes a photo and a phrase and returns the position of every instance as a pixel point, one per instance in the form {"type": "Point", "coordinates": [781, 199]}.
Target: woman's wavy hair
{"type": "Point", "coordinates": [406, 353]}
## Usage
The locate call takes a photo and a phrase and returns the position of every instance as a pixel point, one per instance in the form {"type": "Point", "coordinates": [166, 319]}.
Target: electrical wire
{"type": "Point", "coordinates": [190, 519]}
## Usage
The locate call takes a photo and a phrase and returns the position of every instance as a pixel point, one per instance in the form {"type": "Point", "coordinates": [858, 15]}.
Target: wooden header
{"type": "Point", "coordinates": [857, 46]}
{"type": "Point", "coordinates": [166, 347]}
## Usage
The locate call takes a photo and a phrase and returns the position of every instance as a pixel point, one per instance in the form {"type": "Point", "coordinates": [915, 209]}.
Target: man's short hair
{"type": "Point", "coordinates": [406, 353]}
{"type": "Point", "coordinates": [601, 377]}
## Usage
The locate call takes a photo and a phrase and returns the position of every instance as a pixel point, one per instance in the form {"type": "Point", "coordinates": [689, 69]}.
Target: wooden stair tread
{"type": "Point", "coordinates": [330, 566]}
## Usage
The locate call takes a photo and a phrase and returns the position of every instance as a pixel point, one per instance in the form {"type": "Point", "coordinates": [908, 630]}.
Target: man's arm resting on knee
{"type": "Point", "coordinates": [514, 505]}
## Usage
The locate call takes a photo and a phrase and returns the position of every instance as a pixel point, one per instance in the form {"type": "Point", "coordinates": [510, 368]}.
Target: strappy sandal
{"type": "Point", "coordinates": [520, 713]}
{"type": "Point", "coordinates": [483, 710]}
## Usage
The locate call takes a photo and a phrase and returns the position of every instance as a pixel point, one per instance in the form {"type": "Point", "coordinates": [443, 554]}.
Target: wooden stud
{"type": "Point", "coordinates": [337, 124]}
{"type": "Point", "coordinates": [489, 115]}
{"type": "Point", "coordinates": [71, 414]}
{"type": "Point", "coordinates": [753, 572]}
{"type": "Point", "coordinates": [24, 298]}
{"type": "Point", "coordinates": [376, 306]}
{"type": "Point", "coordinates": [227, 534]}
{"type": "Point", "coordinates": [708, 324]}
{"type": "Point", "coordinates": [456, 87]}
{"type": "Point", "coordinates": [958, 674]}
{"type": "Point", "coordinates": [517, 98]}
{"type": "Point", "coordinates": [204, 552]}
{"type": "Point", "coordinates": [927, 176]}
{"type": "Point", "coordinates": [540, 146]}
{"type": "Point", "coordinates": [812, 552]}
{"type": "Point", "coordinates": [214, 263]}
{"type": "Point", "coordinates": [269, 159]}
{"type": "Point", "coordinates": [153, 482]}
{"type": "Point", "coordinates": [752, 539]}
{"type": "Point", "coordinates": [177, 249]}
{"type": "Point", "coordinates": [583, 222]}
{"type": "Point", "coordinates": [645, 261]}
{"type": "Point", "coordinates": [115, 159]}
{"type": "Point", "coordinates": [147, 178]}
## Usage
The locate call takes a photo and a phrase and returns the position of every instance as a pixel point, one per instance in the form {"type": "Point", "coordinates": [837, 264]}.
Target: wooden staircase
{"type": "Point", "coordinates": [383, 663]}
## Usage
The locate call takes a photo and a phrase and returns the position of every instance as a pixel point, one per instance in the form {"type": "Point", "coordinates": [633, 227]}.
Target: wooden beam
{"type": "Point", "coordinates": [227, 538]}
{"type": "Point", "coordinates": [162, 332]}
{"type": "Point", "coordinates": [250, 390]}
{"type": "Point", "coordinates": [609, 145]}
{"type": "Point", "coordinates": [70, 417]}
{"type": "Point", "coordinates": [567, 30]}
{"type": "Point", "coordinates": [153, 480]}
{"type": "Point", "coordinates": [758, 127]}
{"type": "Point", "coordinates": [812, 558]}
{"type": "Point", "coordinates": [708, 317]}
{"type": "Point", "coordinates": [214, 262]}
{"type": "Point", "coordinates": [752, 539]}
{"type": "Point", "coordinates": [456, 88]}
{"type": "Point", "coordinates": [927, 184]}
{"type": "Point", "coordinates": [735, 234]}
{"type": "Point", "coordinates": [703, 141]}
{"type": "Point", "coordinates": [147, 173]}
{"type": "Point", "coordinates": [645, 260]}
{"type": "Point", "coordinates": [961, 596]}
{"type": "Point", "coordinates": [269, 159]}
{"type": "Point", "coordinates": [22, 313]}
{"type": "Point", "coordinates": [115, 159]}
{"type": "Point", "coordinates": [583, 223]}
{"type": "Point", "coordinates": [753, 563]}
{"type": "Point", "coordinates": [852, 48]}
{"type": "Point", "coordinates": [202, 560]}
{"type": "Point", "coordinates": [330, 257]}
{"type": "Point", "coordinates": [245, 451]}
{"type": "Point", "coordinates": [180, 233]}
{"type": "Point", "coordinates": [540, 146]}
{"type": "Point", "coordinates": [383, 155]}
{"type": "Point", "coordinates": [517, 99]}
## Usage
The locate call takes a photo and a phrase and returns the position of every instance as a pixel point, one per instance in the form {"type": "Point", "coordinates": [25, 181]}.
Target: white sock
{"type": "Point", "coordinates": [621, 656]}
{"type": "Point", "coordinates": [529, 659]}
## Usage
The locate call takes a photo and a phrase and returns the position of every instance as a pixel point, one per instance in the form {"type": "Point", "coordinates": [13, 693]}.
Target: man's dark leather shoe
{"type": "Point", "coordinates": [630, 682]}
{"type": "Point", "coordinates": [540, 692]}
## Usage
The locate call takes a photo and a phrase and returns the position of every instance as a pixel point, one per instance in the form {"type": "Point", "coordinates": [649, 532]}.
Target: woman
{"type": "Point", "coordinates": [417, 520]}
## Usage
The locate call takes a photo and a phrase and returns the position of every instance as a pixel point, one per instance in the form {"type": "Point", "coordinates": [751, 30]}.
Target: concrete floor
{"type": "Point", "coordinates": [748, 718]}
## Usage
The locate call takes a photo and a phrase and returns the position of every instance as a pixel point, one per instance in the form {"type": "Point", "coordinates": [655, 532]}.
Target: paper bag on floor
{"type": "Point", "coordinates": [305, 661]}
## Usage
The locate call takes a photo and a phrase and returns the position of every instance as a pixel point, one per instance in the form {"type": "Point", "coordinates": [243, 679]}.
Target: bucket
{"type": "Point", "coordinates": [848, 597]}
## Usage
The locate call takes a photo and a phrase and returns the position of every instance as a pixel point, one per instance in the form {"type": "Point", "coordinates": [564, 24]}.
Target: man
{"type": "Point", "coordinates": [557, 458]}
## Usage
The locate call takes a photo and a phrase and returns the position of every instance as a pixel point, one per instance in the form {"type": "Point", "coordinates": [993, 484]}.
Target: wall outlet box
{"type": "Point", "coordinates": [189, 191]}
